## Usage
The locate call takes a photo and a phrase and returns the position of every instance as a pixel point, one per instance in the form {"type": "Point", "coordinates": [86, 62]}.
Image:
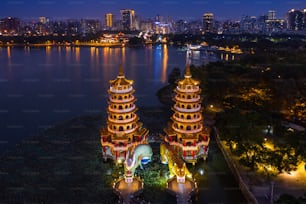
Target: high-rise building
{"type": "Point", "coordinates": [295, 20]}
{"type": "Point", "coordinates": [9, 26]}
{"type": "Point", "coordinates": [248, 24]}
{"type": "Point", "coordinates": [208, 22]}
{"type": "Point", "coordinates": [92, 26]}
{"type": "Point", "coordinates": [261, 23]}
{"type": "Point", "coordinates": [271, 15]}
{"type": "Point", "coordinates": [186, 132]}
{"type": "Point", "coordinates": [109, 20]}
{"type": "Point", "coordinates": [146, 25]}
{"type": "Point", "coordinates": [123, 128]}
{"type": "Point", "coordinates": [43, 19]}
{"type": "Point", "coordinates": [181, 26]}
{"type": "Point", "coordinates": [128, 19]}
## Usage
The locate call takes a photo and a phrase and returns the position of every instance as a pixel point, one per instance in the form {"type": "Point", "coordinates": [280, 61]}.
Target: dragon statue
{"type": "Point", "coordinates": [136, 156]}
{"type": "Point", "coordinates": [177, 167]}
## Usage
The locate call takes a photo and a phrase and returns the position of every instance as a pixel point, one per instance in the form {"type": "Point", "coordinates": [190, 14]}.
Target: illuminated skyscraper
{"type": "Point", "coordinates": [42, 20]}
{"type": "Point", "coordinates": [208, 22]}
{"type": "Point", "coordinates": [109, 20]}
{"type": "Point", "coordinates": [248, 24]}
{"type": "Point", "coordinates": [271, 15]}
{"type": "Point", "coordinates": [128, 19]}
{"type": "Point", "coordinates": [9, 25]}
{"type": "Point", "coordinates": [296, 20]}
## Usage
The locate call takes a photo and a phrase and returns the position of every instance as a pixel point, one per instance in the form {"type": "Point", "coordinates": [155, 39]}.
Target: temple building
{"type": "Point", "coordinates": [186, 130]}
{"type": "Point", "coordinates": [123, 129]}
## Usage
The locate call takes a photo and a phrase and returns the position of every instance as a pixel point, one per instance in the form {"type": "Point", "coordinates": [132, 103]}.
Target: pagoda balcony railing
{"type": "Point", "coordinates": [125, 147]}
{"type": "Point", "coordinates": [122, 121]}
{"type": "Point", "coordinates": [194, 89]}
{"type": "Point", "coordinates": [124, 110]}
{"type": "Point", "coordinates": [192, 120]}
{"type": "Point", "coordinates": [188, 131]}
{"type": "Point", "coordinates": [185, 110]}
{"type": "Point", "coordinates": [127, 100]}
{"type": "Point", "coordinates": [124, 131]}
{"type": "Point", "coordinates": [190, 147]}
{"type": "Point", "coordinates": [192, 100]}
{"type": "Point", "coordinates": [112, 89]}
{"type": "Point", "coordinates": [188, 158]}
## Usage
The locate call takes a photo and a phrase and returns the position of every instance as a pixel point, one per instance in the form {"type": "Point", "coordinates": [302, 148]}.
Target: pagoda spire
{"type": "Point", "coordinates": [187, 71]}
{"type": "Point", "coordinates": [120, 73]}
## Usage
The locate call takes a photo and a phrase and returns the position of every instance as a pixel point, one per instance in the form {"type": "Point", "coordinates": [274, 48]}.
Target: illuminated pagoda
{"type": "Point", "coordinates": [123, 129]}
{"type": "Point", "coordinates": [186, 130]}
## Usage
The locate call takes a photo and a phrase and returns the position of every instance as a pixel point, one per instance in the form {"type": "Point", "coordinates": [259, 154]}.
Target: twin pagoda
{"type": "Point", "coordinates": [123, 129]}
{"type": "Point", "coordinates": [185, 133]}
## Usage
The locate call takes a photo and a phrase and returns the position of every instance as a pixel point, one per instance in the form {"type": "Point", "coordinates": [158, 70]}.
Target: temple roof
{"type": "Point", "coordinates": [121, 80]}
{"type": "Point", "coordinates": [188, 80]}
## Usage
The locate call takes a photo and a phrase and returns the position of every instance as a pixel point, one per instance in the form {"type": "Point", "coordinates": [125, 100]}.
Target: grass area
{"type": "Point", "coordinates": [63, 164]}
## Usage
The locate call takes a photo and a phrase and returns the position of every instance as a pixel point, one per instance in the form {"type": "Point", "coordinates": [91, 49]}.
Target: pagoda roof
{"type": "Point", "coordinates": [120, 80]}
{"type": "Point", "coordinates": [188, 80]}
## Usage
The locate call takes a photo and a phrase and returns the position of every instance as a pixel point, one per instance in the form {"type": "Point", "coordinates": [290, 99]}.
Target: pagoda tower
{"type": "Point", "coordinates": [123, 129]}
{"type": "Point", "coordinates": [186, 130]}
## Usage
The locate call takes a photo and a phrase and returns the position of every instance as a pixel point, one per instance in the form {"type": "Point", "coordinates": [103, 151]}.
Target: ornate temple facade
{"type": "Point", "coordinates": [186, 130]}
{"type": "Point", "coordinates": [123, 129]}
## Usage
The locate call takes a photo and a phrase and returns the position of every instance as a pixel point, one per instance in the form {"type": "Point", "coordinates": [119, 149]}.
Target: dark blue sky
{"type": "Point", "coordinates": [223, 9]}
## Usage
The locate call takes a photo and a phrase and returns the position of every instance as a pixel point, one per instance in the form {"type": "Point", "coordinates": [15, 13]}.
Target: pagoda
{"type": "Point", "coordinates": [186, 130]}
{"type": "Point", "coordinates": [123, 129]}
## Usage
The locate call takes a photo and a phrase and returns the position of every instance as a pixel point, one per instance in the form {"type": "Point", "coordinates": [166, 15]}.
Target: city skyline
{"type": "Point", "coordinates": [223, 9]}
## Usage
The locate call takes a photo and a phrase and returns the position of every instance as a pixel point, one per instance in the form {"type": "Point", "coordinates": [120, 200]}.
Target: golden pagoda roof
{"type": "Point", "coordinates": [188, 80]}
{"type": "Point", "coordinates": [120, 80]}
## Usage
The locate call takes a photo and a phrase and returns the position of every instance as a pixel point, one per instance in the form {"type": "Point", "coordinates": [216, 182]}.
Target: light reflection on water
{"type": "Point", "coordinates": [63, 72]}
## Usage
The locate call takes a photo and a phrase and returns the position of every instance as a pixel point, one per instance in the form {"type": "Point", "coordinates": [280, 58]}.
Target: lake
{"type": "Point", "coordinates": [43, 86]}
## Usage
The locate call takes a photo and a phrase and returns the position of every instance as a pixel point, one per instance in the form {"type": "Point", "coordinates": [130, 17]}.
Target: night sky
{"type": "Point", "coordinates": [223, 9]}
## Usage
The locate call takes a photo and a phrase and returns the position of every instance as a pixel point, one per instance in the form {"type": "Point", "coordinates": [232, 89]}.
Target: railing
{"type": "Point", "coordinates": [121, 91]}
{"type": "Point", "coordinates": [126, 147]}
{"type": "Point", "coordinates": [197, 99]}
{"type": "Point", "coordinates": [190, 148]}
{"type": "Point", "coordinates": [125, 110]}
{"type": "Point", "coordinates": [243, 187]}
{"type": "Point", "coordinates": [122, 121]}
{"type": "Point", "coordinates": [124, 131]}
{"type": "Point", "coordinates": [121, 100]}
{"type": "Point", "coordinates": [188, 131]}
{"type": "Point", "coordinates": [188, 90]}
{"type": "Point", "coordinates": [185, 110]}
{"type": "Point", "coordinates": [193, 120]}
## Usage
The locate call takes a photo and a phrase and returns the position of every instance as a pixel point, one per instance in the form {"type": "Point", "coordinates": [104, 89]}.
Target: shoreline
{"type": "Point", "coordinates": [111, 45]}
